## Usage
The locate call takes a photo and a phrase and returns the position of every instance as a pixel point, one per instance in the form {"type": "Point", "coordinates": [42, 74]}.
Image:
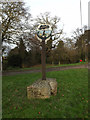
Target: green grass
{"type": "Point", "coordinates": [71, 100]}
{"type": "Point", "coordinates": [47, 66]}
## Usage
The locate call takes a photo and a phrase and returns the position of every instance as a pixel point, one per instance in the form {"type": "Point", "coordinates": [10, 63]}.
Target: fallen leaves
{"type": "Point", "coordinates": [16, 90]}
{"type": "Point", "coordinates": [82, 98]}
{"type": "Point", "coordinates": [63, 95]}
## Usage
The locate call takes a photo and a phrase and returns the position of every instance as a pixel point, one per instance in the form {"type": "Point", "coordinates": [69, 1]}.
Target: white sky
{"type": "Point", "coordinates": [67, 10]}
{"type": "Point", "coordinates": [89, 15]}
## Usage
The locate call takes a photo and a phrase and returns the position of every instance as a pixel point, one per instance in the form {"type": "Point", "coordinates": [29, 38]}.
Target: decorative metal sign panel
{"type": "Point", "coordinates": [44, 32]}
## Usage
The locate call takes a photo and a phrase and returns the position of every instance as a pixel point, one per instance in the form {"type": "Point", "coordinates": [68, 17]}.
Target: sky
{"type": "Point", "coordinates": [67, 10]}
{"type": "Point", "coordinates": [89, 15]}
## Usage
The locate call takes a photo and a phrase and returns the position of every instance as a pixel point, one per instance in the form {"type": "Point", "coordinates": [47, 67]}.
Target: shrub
{"type": "Point", "coordinates": [14, 60]}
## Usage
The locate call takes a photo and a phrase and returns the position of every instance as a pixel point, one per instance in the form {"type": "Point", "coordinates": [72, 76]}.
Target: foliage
{"type": "Point", "coordinates": [81, 37]}
{"type": "Point", "coordinates": [63, 54]}
{"type": "Point", "coordinates": [4, 64]}
{"type": "Point", "coordinates": [88, 32]}
{"type": "Point", "coordinates": [71, 100]}
{"type": "Point", "coordinates": [22, 57]}
{"type": "Point", "coordinates": [14, 60]}
{"type": "Point", "coordinates": [12, 14]}
{"type": "Point", "coordinates": [14, 19]}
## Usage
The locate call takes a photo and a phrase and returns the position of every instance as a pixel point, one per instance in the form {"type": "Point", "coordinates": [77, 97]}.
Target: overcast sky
{"type": "Point", "coordinates": [67, 10]}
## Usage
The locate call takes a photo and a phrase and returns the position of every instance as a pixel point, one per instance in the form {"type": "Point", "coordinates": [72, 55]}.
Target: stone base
{"type": "Point", "coordinates": [42, 88]}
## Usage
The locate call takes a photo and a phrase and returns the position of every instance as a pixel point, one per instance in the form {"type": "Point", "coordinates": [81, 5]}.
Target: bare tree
{"type": "Point", "coordinates": [46, 18]}
{"type": "Point", "coordinates": [14, 16]}
{"type": "Point", "coordinates": [81, 39]}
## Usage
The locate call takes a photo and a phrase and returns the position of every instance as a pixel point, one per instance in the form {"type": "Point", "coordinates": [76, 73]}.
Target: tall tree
{"type": "Point", "coordinates": [22, 51]}
{"type": "Point", "coordinates": [14, 17]}
{"type": "Point", "coordinates": [60, 51]}
{"type": "Point", "coordinates": [80, 38]}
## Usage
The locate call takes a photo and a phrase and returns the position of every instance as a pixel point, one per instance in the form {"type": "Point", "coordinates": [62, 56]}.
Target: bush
{"type": "Point", "coordinates": [14, 60]}
{"type": "Point", "coordinates": [4, 64]}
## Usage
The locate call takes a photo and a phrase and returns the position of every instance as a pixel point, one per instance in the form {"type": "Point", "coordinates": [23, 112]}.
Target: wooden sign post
{"type": "Point", "coordinates": [43, 34]}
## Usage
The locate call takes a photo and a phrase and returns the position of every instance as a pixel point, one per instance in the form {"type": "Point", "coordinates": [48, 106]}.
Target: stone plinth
{"type": "Point", "coordinates": [42, 88]}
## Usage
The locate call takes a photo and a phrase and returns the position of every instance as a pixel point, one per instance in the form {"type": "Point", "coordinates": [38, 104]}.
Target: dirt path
{"type": "Point", "coordinates": [7, 73]}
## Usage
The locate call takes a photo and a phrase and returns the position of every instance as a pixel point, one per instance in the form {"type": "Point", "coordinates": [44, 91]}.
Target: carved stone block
{"type": "Point", "coordinates": [42, 89]}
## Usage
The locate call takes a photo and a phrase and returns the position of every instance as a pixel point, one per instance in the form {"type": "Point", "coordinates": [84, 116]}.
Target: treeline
{"type": "Point", "coordinates": [61, 54]}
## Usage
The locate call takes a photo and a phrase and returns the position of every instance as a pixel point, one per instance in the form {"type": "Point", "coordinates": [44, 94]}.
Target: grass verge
{"type": "Point", "coordinates": [47, 66]}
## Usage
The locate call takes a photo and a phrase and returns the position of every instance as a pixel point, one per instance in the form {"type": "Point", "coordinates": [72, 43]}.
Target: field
{"type": "Point", "coordinates": [71, 100]}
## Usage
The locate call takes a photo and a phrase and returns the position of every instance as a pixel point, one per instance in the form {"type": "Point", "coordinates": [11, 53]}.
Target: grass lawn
{"type": "Point", "coordinates": [71, 100]}
{"type": "Point", "coordinates": [47, 66]}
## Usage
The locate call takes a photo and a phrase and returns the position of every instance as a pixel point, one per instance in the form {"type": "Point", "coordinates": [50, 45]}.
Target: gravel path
{"type": "Point", "coordinates": [7, 73]}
